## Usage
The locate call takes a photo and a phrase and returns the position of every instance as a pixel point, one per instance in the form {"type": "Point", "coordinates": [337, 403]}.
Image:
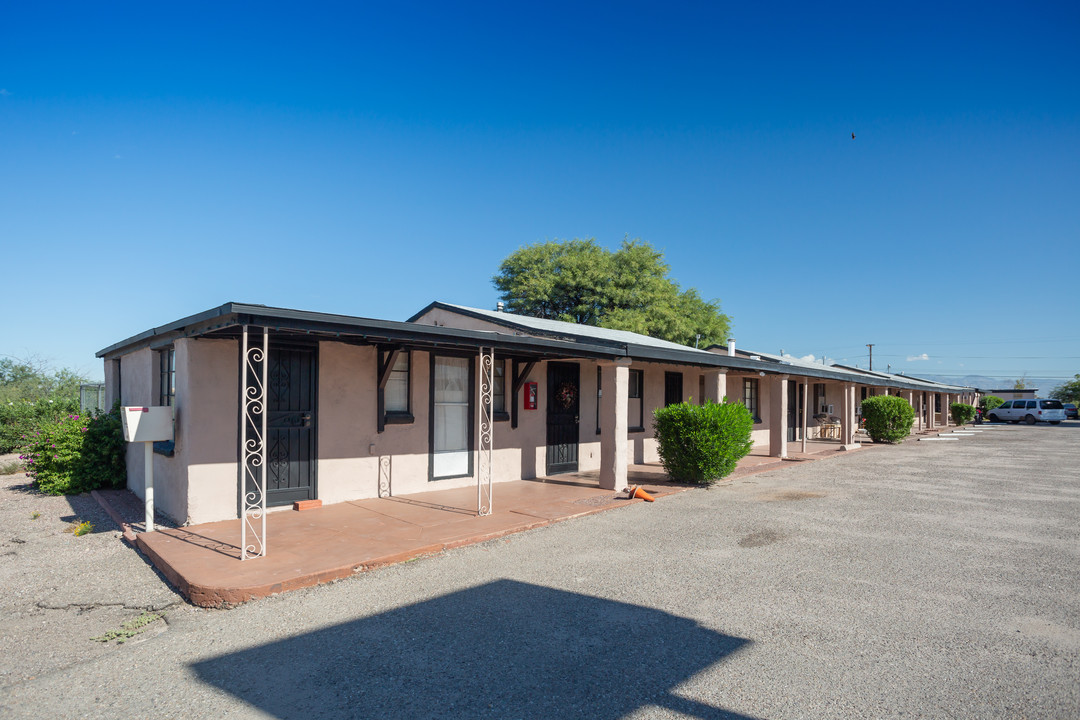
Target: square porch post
{"type": "Point", "coordinates": [931, 421]}
{"type": "Point", "coordinates": [614, 374]}
{"type": "Point", "coordinates": [847, 418]}
{"type": "Point", "coordinates": [805, 412]}
{"type": "Point", "coordinates": [945, 409]}
{"type": "Point", "coordinates": [910, 396]}
{"type": "Point", "coordinates": [778, 420]}
{"type": "Point", "coordinates": [716, 385]}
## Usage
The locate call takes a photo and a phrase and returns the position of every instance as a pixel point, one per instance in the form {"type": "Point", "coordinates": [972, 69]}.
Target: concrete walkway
{"type": "Point", "coordinates": [324, 544]}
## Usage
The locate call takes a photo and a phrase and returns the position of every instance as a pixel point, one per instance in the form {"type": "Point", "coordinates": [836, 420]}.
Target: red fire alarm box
{"type": "Point", "coordinates": [530, 396]}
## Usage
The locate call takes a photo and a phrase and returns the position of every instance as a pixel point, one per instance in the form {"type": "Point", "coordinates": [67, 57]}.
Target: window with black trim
{"type": "Point", "coordinates": [599, 395]}
{"type": "Point", "coordinates": [819, 398]}
{"type": "Point", "coordinates": [498, 391]}
{"type": "Point", "coordinates": [398, 391]}
{"type": "Point", "coordinates": [750, 397]}
{"type": "Point", "coordinates": [635, 407]}
{"type": "Point", "coordinates": [167, 377]}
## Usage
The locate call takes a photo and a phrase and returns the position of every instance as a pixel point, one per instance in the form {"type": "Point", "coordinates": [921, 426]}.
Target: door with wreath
{"type": "Point", "coordinates": [563, 417]}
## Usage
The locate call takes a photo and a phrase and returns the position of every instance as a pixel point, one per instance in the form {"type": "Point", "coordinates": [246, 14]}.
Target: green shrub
{"type": "Point", "coordinates": [888, 418]}
{"type": "Point", "coordinates": [19, 418]}
{"type": "Point", "coordinates": [702, 443]}
{"type": "Point", "coordinates": [962, 413]}
{"type": "Point", "coordinates": [76, 453]}
{"type": "Point", "coordinates": [989, 402]}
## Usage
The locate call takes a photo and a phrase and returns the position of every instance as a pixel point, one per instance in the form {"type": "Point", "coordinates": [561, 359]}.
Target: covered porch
{"type": "Point", "coordinates": [324, 544]}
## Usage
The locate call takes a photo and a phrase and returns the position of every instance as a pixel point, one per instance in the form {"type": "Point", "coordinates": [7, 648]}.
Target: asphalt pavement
{"type": "Point", "coordinates": [934, 580]}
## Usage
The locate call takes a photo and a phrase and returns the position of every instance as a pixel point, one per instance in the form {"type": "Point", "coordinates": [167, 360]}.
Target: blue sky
{"type": "Point", "coordinates": [367, 158]}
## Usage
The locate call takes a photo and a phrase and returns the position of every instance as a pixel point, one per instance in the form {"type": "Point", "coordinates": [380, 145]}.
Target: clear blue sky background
{"type": "Point", "coordinates": [366, 158]}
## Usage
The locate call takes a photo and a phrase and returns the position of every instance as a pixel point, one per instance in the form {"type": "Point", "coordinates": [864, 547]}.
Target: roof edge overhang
{"type": "Point", "coordinates": [345, 327]}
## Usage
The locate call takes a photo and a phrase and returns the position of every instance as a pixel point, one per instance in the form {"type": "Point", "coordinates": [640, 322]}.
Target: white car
{"type": "Point", "coordinates": [1030, 411]}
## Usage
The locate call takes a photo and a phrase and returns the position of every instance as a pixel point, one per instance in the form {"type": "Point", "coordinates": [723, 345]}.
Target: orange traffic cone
{"type": "Point", "coordinates": [637, 491]}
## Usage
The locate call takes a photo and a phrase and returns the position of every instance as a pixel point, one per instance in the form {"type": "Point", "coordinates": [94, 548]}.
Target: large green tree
{"type": "Point", "coordinates": [628, 289]}
{"type": "Point", "coordinates": [1068, 391]}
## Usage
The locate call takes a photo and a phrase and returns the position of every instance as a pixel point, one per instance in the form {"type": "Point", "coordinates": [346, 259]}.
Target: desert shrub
{"type": "Point", "coordinates": [76, 453]}
{"type": "Point", "coordinates": [989, 402]}
{"type": "Point", "coordinates": [702, 443]}
{"type": "Point", "coordinates": [22, 417]}
{"type": "Point", "coordinates": [888, 418]}
{"type": "Point", "coordinates": [962, 413]}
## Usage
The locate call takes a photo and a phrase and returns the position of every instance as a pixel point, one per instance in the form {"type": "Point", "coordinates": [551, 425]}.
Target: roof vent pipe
{"type": "Point", "coordinates": [731, 347]}
{"type": "Point", "coordinates": [499, 306]}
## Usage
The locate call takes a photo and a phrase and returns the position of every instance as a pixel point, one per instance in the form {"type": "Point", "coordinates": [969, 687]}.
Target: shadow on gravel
{"type": "Point", "coordinates": [506, 649]}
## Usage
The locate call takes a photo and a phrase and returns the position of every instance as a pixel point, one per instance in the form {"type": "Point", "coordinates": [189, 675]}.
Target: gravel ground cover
{"type": "Point", "coordinates": [934, 580]}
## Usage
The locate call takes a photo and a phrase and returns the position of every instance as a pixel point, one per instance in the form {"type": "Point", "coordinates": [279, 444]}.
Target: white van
{"type": "Point", "coordinates": [1030, 411]}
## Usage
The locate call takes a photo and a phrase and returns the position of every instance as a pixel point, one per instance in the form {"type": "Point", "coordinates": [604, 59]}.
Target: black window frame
{"type": "Point", "coordinates": [167, 377]}
{"type": "Point", "coordinates": [751, 384]}
{"type": "Point", "coordinates": [504, 414]}
{"type": "Point", "coordinates": [399, 417]}
{"type": "Point", "coordinates": [640, 374]}
{"type": "Point", "coordinates": [599, 395]}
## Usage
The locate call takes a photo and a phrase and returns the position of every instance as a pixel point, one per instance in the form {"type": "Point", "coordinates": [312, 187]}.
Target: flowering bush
{"type": "Point", "coordinates": [76, 453]}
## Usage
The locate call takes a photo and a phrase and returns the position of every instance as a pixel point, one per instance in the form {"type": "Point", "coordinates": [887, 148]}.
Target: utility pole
{"type": "Point", "coordinates": [871, 346]}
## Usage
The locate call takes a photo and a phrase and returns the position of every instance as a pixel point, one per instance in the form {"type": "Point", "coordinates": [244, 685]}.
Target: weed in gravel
{"type": "Point", "coordinates": [35, 515]}
{"type": "Point", "coordinates": [129, 629]}
{"type": "Point", "coordinates": [80, 527]}
{"type": "Point", "coordinates": [11, 467]}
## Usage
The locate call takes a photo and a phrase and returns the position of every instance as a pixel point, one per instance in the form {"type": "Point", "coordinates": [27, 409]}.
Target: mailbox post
{"type": "Point", "coordinates": [148, 425]}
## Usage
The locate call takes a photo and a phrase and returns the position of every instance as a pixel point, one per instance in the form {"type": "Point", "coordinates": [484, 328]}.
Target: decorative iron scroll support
{"type": "Point", "coordinates": [384, 476]}
{"type": "Point", "coordinates": [486, 420]}
{"type": "Point", "coordinates": [253, 447]}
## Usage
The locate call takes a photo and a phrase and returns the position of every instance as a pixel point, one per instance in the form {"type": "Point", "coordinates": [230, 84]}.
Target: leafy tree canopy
{"type": "Point", "coordinates": [1068, 391]}
{"type": "Point", "coordinates": [580, 282]}
{"type": "Point", "coordinates": [33, 379]}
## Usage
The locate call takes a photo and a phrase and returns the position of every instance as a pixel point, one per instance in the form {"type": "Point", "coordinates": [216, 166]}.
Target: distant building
{"type": "Point", "coordinates": [1014, 394]}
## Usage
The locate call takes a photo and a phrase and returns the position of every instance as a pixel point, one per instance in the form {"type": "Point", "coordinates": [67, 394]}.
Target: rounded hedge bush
{"type": "Point", "coordinates": [701, 444]}
{"type": "Point", "coordinates": [962, 413]}
{"type": "Point", "coordinates": [888, 418]}
{"type": "Point", "coordinates": [989, 402]}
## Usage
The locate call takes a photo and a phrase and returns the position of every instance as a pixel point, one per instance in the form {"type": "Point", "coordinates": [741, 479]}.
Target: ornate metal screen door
{"type": "Point", "coordinates": [486, 422]}
{"type": "Point", "coordinates": [253, 446]}
{"type": "Point", "coordinates": [564, 384]}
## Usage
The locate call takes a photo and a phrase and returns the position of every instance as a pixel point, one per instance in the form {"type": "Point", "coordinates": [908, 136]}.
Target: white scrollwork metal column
{"type": "Point", "coordinates": [253, 490]}
{"type": "Point", "coordinates": [486, 420]}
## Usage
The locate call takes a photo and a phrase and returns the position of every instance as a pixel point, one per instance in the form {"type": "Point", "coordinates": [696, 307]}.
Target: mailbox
{"type": "Point", "coordinates": [530, 396]}
{"type": "Point", "coordinates": [147, 424]}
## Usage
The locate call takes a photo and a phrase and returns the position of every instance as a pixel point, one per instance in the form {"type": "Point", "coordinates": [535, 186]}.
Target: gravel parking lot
{"type": "Point", "coordinates": [922, 580]}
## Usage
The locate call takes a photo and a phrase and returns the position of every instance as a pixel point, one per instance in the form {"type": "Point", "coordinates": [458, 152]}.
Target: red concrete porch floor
{"type": "Point", "coordinates": [328, 543]}
{"type": "Point", "coordinates": [331, 542]}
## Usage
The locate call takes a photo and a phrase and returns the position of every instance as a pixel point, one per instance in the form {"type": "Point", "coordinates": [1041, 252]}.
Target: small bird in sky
{"type": "Point", "coordinates": [852, 136]}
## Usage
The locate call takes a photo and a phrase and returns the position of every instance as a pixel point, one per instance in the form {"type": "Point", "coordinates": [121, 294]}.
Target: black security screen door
{"type": "Point", "coordinates": [563, 402]}
{"type": "Point", "coordinates": [290, 426]}
{"type": "Point", "coordinates": [795, 402]}
{"type": "Point", "coordinates": [672, 388]}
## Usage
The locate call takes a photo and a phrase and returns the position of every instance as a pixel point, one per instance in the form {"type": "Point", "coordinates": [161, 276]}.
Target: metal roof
{"type": "Point", "coordinates": [542, 338]}
{"type": "Point", "coordinates": [555, 328]}
{"type": "Point", "coordinates": [772, 364]}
